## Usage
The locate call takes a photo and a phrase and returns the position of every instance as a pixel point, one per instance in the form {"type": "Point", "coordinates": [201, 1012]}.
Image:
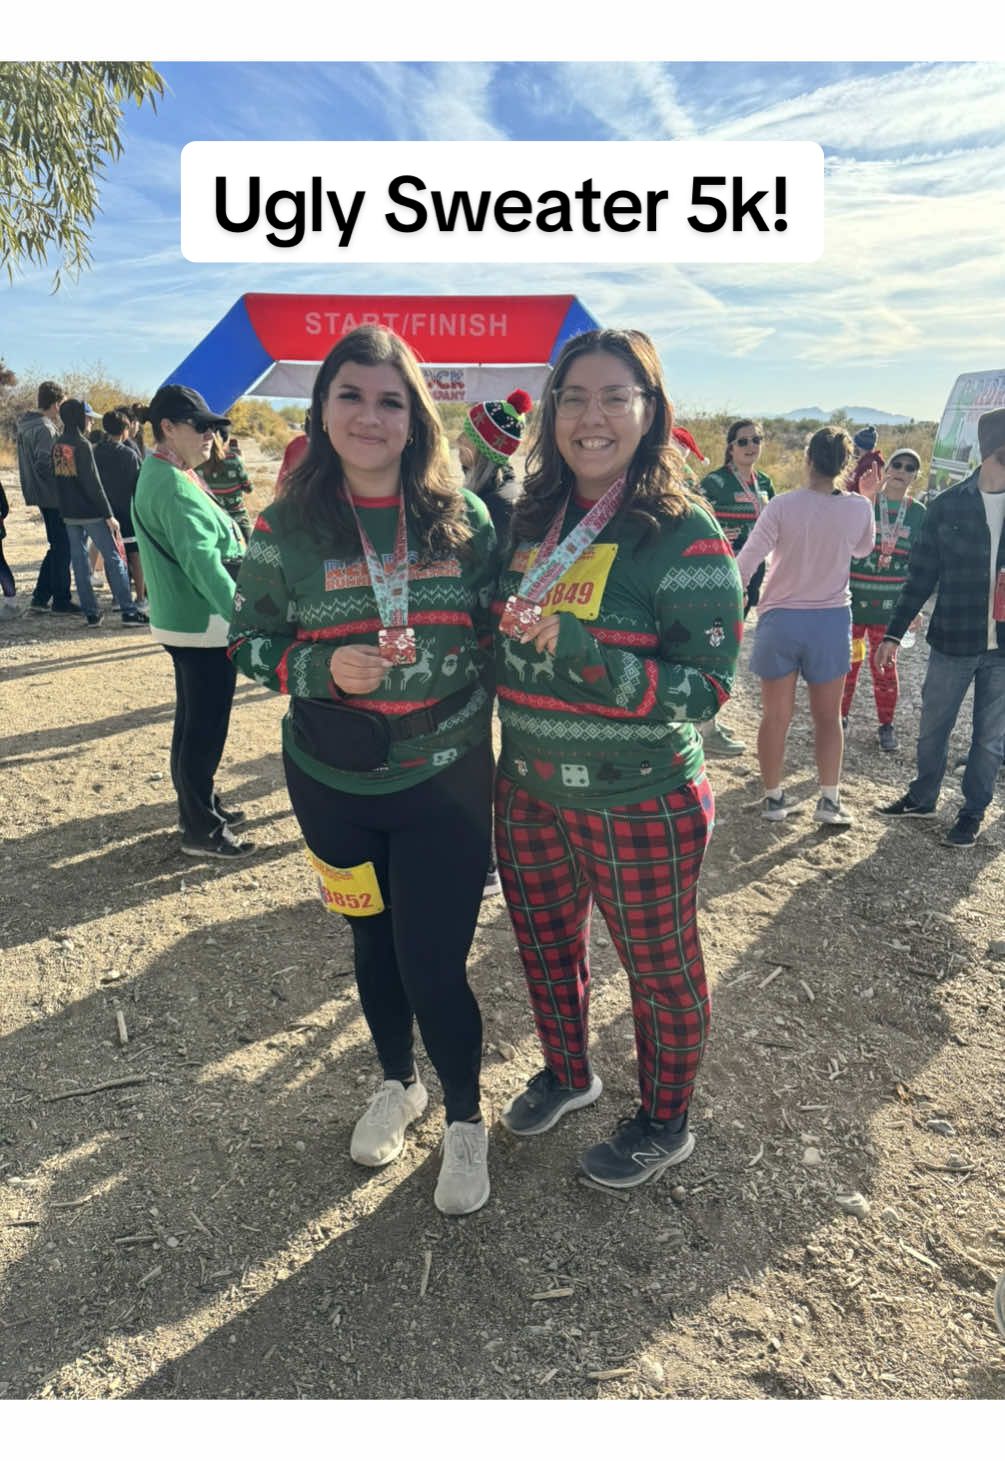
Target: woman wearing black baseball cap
{"type": "Point", "coordinates": [190, 550]}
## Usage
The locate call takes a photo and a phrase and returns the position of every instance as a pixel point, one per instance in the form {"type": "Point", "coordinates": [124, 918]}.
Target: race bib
{"type": "Point", "coordinates": [581, 588]}
{"type": "Point", "coordinates": [353, 891]}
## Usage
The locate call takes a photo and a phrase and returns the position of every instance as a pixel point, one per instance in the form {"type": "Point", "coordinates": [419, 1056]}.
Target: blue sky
{"type": "Point", "coordinates": [907, 296]}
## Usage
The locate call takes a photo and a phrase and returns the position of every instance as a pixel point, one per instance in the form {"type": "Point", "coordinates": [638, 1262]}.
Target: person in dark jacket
{"type": "Point", "coordinates": [85, 509]}
{"type": "Point", "coordinates": [959, 555]}
{"type": "Point", "coordinates": [35, 433]}
{"type": "Point", "coordinates": [118, 466]}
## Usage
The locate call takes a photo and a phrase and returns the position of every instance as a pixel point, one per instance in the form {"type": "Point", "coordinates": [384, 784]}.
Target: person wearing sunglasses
{"type": "Point", "coordinates": [959, 556]}
{"type": "Point", "coordinates": [189, 548]}
{"type": "Point", "coordinates": [876, 582]}
{"type": "Point", "coordinates": [619, 629]}
{"type": "Point", "coordinates": [739, 494]}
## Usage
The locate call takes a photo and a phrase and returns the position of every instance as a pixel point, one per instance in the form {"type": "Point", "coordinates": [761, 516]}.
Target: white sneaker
{"type": "Point", "coordinates": [464, 1176]}
{"type": "Point", "coordinates": [493, 883]}
{"type": "Point", "coordinates": [832, 812]}
{"type": "Point", "coordinates": [379, 1134]}
{"type": "Point", "coordinates": [774, 808]}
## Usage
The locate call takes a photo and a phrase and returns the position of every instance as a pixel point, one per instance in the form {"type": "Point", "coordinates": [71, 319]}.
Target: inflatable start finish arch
{"type": "Point", "coordinates": [472, 347]}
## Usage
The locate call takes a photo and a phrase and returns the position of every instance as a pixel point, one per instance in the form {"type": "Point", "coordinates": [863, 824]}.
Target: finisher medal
{"type": "Point", "coordinates": [523, 610]}
{"type": "Point", "coordinates": [519, 616]}
{"type": "Point", "coordinates": [397, 646]}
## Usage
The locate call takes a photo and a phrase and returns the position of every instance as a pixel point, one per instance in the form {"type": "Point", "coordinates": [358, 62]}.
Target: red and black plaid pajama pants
{"type": "Point", "coordinates": [885, 684]}
{"type": "Point", "coordinates": [640, 864]}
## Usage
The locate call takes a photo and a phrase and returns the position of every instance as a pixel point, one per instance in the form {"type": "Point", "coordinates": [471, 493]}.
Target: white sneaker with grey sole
{"type": "Point", "coordinates": [379, 1134]}
{"type": "Point", "coordinates": [463, 1185]}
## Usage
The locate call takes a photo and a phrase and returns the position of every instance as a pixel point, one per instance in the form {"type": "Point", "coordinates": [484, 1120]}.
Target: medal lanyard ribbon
{"type": "Point", "coordinates": [554, 558]}
{"type": "Point", "coordinates": [888, 536]}
{"type": "Point", "coordinates": [389, 583]}
{"type": "Point", "coordinates": [751, 493]}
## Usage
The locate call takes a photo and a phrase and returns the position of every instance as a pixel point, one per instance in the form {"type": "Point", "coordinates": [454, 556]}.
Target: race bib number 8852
{"type": "Point", "coordinates": [353, 891]}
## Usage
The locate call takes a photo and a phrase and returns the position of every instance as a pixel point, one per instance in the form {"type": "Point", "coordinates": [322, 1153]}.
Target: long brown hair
{"type": "Point", "coordinates": [313, 494]}
{"type": "Point", "coordinates": [655, 488]}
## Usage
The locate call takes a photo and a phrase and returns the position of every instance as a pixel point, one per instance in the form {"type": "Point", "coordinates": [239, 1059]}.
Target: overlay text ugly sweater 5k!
{"type": "Point", "coordinates": [294, 605]}
{"type": "Point", "coordinates": [608, 720]}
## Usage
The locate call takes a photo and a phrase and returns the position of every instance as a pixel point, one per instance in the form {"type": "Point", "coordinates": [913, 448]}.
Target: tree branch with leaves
{"type": "Point", "coordinates": [60, 126]}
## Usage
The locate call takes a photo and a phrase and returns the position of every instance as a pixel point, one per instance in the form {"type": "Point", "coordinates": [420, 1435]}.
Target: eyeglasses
{"type": "Point", "coordinates": [747, 440]}
{"type": "Point", "coordinates": [613, 400]}
{"type": "Point", "coordinates": [907, 466]}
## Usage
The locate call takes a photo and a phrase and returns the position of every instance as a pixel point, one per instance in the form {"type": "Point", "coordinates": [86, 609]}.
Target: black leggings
{"type": "Point", "coordinates": [204, 689]}
{"type": "Point", "coordinates": [429, 845]}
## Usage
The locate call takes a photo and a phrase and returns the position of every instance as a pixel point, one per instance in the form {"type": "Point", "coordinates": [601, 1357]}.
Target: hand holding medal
{"type": "Point", "coordinates": [521, 618]}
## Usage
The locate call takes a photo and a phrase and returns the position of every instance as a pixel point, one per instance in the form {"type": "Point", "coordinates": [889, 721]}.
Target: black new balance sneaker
{"type": "Point", "coordinates": [639, 1149]}
{"type": "Point", "coordinates": [544, 1102]}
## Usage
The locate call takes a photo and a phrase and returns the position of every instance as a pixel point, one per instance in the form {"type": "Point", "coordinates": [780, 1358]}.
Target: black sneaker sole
{"type": "Point", "coordinates": [575, 1102]}
{"type": "Point", "coordinates": [921, 812]}
{"type": "Point", "coordinates": [646, 1173]}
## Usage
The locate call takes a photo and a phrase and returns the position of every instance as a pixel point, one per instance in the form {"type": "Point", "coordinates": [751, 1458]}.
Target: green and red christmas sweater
{"type": "Point", "coordinates": [875, 590]}
{"type": "Point", "coordinates": [228, 481]}
{"type": "Point", "coordinates": [731, 505]}
{"type": "Point", "coordinates": [293, 606]}
{"type": "Point", "coordinates": [609, 719]}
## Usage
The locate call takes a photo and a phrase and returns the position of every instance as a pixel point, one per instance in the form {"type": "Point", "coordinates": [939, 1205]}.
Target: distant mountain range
{"type": "Point", "coordinates": [861, 415]}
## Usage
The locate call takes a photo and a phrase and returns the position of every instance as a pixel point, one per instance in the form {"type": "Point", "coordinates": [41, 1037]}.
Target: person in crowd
{"type": "Point", "coordinates": [868, 458]}
{"type": "Point", "coordinates": [36, 431]}
{"type": "Point", "coordinates": [226, 476]}
{"type": "Point", "coordinates": [804, 618]}
{"type": "Point", "coordinates": [491, 434]}
{"type": "Point", "coordinates": [191, 550]}
{"type": "Point", "coordinates": [8, 588]}
{"type": "Point", "coordinates": [959, 555]}
{"type": "Point", "coordinates": [619, 630]}
{"type": "Point", "coordinates": [365, 597]}
{"type": "Point", "coordinates": [875, 583]}
{"type": "Point", "coordinates": [84, 507]}
{"type": "Point", "coordinates": [119, 469]}
{"type": "Point", "coordinates": [685, 443]}
{"type": "Point", "coordinates": [296, 448]}
{"type": "Point", "coordinates": [739, 493]}
{"type": "Point", "coordinates": [134, 429]}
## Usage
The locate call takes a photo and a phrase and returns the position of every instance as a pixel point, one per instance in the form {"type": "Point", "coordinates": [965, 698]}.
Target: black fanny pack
{"type": "Point", "coordinates": [348, 738]}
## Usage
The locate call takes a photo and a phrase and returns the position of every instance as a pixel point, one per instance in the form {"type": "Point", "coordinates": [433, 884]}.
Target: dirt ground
{"type": "Point", "coordinates": [179, 1216]}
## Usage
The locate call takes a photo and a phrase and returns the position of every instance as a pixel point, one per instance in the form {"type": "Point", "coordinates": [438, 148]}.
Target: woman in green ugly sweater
{"type": "Point", "coordinates": [738, 493]}
{"type": "Point", "coordinates": [620, 625]}
{"type": "Point", "coordinates": [875, 584]}
{"type": "Point", "coordinates": [365, 597]}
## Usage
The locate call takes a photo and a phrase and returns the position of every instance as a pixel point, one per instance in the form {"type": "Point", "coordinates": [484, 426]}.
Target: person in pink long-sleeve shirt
{"type": "Point", "coordinates": [804, 615]}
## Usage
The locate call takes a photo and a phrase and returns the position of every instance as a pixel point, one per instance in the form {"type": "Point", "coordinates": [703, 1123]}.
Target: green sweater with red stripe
{"type": "Point", "coordinates": [875, 590]}
{"type": "Point", "coordinates": [731, 505]}
{"type": "Point", "coordinates": [608, 720]}
{"type": "Point", "coordinates": [294, 606]}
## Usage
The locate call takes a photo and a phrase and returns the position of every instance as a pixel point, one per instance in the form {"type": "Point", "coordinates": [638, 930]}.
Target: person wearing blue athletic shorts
{"type": "Point", "coordinates": [804, 614]}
